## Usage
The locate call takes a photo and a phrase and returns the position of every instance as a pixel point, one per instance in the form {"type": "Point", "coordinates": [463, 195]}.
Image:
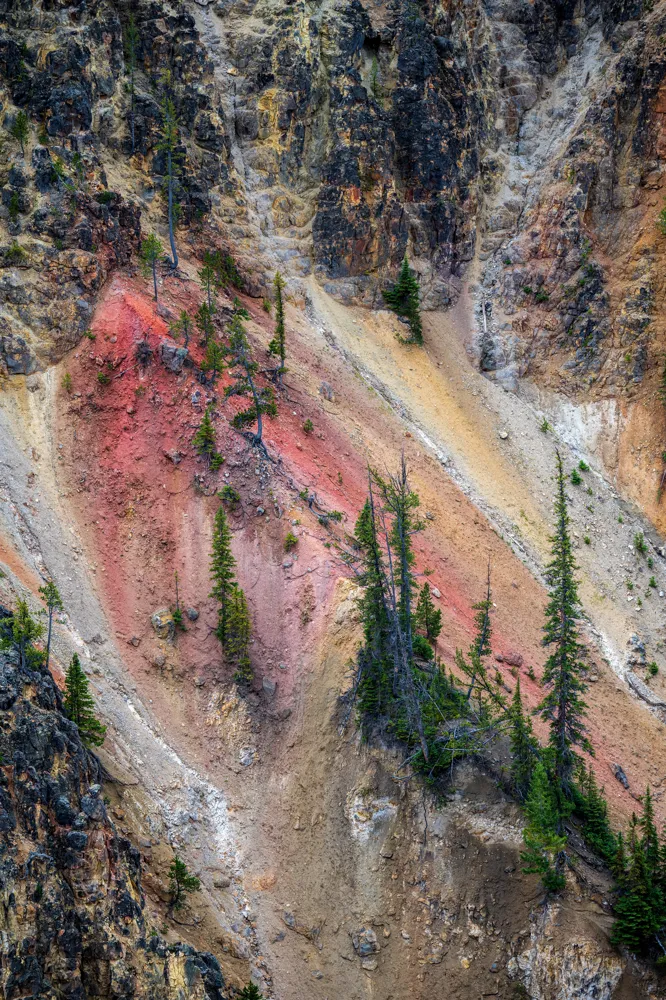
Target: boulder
{"type": "Point", "coordinates": [163, 623]}
{"type": "Point", "coordinates": [172, 356]}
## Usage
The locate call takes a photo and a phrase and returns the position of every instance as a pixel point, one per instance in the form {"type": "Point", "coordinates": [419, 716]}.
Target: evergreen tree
{"type": "Point", "coordinates": [222, 565]}
{"type": "Point", "coordinates": [427, 617]}
{"type": "Point", "coordinates": [204, 321]}
{"type": "Point", "coordinates": [481, 687]}
{"type": "Point", "coordinates": [251, 992]}
{"type": "Point", "coordinates": [181, 882]}
{"type": "Point", "coordinates": [53, 602]}
{"type": "Point", "coordinates": [243, 371]}
{"type": "Point", "coordinates": [524, 747]}
{"type": "Point", "coordinates": [593, 809]}
{"type": "Point", "coordinates": [131, 45]}
{"type": "Point", "coordinates": [23, 633]}
{"type": "Point", "coordinates": [563, 706]}
{"type": "Point", "coordinates": [20, 130]}
{"type": "Point", "coordinates": [650, 836]}
{"type": "Point", "coordinates": [239, 633]}
{"type": "Point", "coordinates": [80, 707]}
{"type": "Point", "coordinates": [204, 439]}
{"type": "Point", "coordinates": [151, 252]}
{"type": "Point", "coordinates": [183, 325]}
{"type": "Point", "coordinates": [403, 300]}
{"type": "Point", "coordinates": [619, 863]}
{"type": "Point", "coordinates": [543, 843]}
{"type": "Point", "coordinates": [375, 670]}
{"type": "Point", "coordinates": [277, 345]}
{"type": "Point", "coordinates": [208, 276]}
{"type": "Point", "coordinates": [168, 144]}
{"type": "Point", "coordinates": [213, 362]}
{"type": "Point", "coordinates": [639, 912]}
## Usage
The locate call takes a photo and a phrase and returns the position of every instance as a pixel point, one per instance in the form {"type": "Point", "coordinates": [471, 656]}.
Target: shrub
{"type": "Point", "coordinates": [105, 197]}
{"type": "Point", "coordinates": [653, 669]}
{"type": "Point", "coordinates": [90, 335]}
{"type": "Point", "coordinates": [15, 254]}
{"type": "Point", "coordinates": [422, 647]}
{"type": "Point", "coordinates": [216, 461]}
{"type": "Point", "coordinates": [66, 382]}
{"type": "Point", "coordinates": [103, 378]}
{"type": "Point", "coordinates": [544, 427]}
{"type": "Point", "coordinates": [587, 540]}
{"type": "Point", "coordinates": [290, 542]}
{"type": "Point", "coordinates": [583, 466]}
{"type": "Point", "coordinates": [576, 478]}
{"type": "Point", "coordinates": [266, 305]}
{"type": "Point", "coordinates": [652, 582]}
{"type": "Point", "coordinates": [229, 495]}
{"type": "Point", "coordinates": [639, 543]}
{"type": "Point", "coordinates": [308, 426]}
{"type": "Point", "coordinates": [14, 206]}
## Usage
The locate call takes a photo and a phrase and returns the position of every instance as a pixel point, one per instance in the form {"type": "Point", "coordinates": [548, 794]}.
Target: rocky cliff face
{"type": "Point", "coordinates": [513, 149]}
{"type": "Point", "coordinates": [72, 917]}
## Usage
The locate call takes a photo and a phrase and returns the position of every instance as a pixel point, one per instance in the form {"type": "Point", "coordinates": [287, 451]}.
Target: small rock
{"type": "Point", "coordinates": [173, 456]}
{"type": "Point", "coordinates": [163, 623]}
{"type": "Point", "coordinates": [429, 516]}
{"type": "Point", "coordinates": [320, 975]}
{"type": "Point", "coordinates": [282, 666]}
{"type": "Point", "coordinates": [620, 775]}
{"type": "Point", "coordinates": [326, 390]}
{"type": "Point", "coordinates": [173, 357]}
{"type": "Point", "coordinates": [260, 510]}
{"type": "Point", "coordinates": [364, 941]}
{"type": "Point", "coordinates": [269, 686]}
{"type": "Point", "coordinates": [503, 435]}
{"type": "Point", "coordinates": [287, 563]}
{"type": "Point", "coordinates": [131, 411]}
{"type": "Point", "coordinates": [134, 641]}
{"type": "Point", "coordinates": [192, 614]}
{"type": "Point", "coordinates": [369, 964]}
{"type": "Point", "coordinates": [159, 660]}
{"type": "Point", "coordinates": [436, 592]}
{"type": "Point", "coordinates": [513, 659]}
{"type": "Point", "coordinates": [199, 682]}
{"type": "Point", "coordinates": [221, 882]}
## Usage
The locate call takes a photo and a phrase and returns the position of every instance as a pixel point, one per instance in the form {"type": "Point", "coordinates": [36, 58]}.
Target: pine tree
{"type": "Point", "coordinates": [23, 633]}
{"type": "Point", "coordinates": [427, 617]}
{"type": "Point", "coordinates": [213, 362]}
{"type": "Point", "coordinates": [131, 45]}
{"type": "Point", "coordinates": [524, 747]}
{"type": "Point", "coordinates": [181, 882]}
{"type": "Point", "coordinates": [277, 345]}
{"type": "Point", "coordinates": [208, 276]}
{"type": "Point", "coordinates": [151, 252]}
{"type": "Point", "coordinates": [222, 565]}
{"type": "Point", "coordinates": [650, 836]}
{"type": "Point", "coordinates": [542, 841]}
{"type": "Point", "coordinates": [563, 706]}
{"type": "Point", "coordinates": [403, 300]}
{"type": "Point", "coordinates": [243, 371]}
{"type": "Point", "coordinates": [251, 992]}
{"type": "Point", "coordinates": [53, 601]}
{"type": "Point", "coordinates": [619, 862]}
{"type": "Point", "coordinates": [488, 699]}
{"type": "Point", "coordinates": [183, 325]}
{"type": "Point", "coordinates": [593, 809]}
{"type": "Point", "coordinates": [204, 439]}
{"type": "Point", "coordinates": [375, 670]}
{"type": "Point", "coordinates": [20, 130]}
{"type": "Point", "coordinates": [80, 707]}
{"type": "Point", "coordinates": [168, 144]}
{"type": "Point", "coordinates": [238, 635]}
{"type": "Point", "coordinates": [639, 912]}
{"type": "Point", "coordinates": [204, 321]}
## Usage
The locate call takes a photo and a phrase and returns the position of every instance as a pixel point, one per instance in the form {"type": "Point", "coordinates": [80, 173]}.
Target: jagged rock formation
{"type": "Point", "coordinates": [72, 917]}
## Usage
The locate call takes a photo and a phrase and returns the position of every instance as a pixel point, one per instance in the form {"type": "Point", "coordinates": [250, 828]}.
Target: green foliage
{"type": "Point", "coordinates": [639, 869]}
{"type": "Point", "coordinates": [427, 618]}
{"type": "Point", "coordinates": [222, 564]}
{"type": "Point", "coordinates": [308, 426]}
{"type": "Point", "coordinates": [524, 747]}
{"type": "Point", "coordinates": [208, 276]}
{"type": "Point", "coordinates": [183, 325]}
{"type": "Point", "coordinates": [66, 382]}
{"type": "Point", "coordinates": [239, 308]}
{"type": "Point", "coordinates": [290, 541]}
{"type": "Point", "coordinates": [652, 582]}
{"type": "Point", "coordinates": [213, 362]}
{"type": "Point", "coordinates": [563, 706]}
{"type": "Point", "coordinates": [403, 300]}
{"type": "Point", "coordinates": [20, 129]}
{"type": "Point", "coordinates": [103, 378]}
{"type": "Point", "coordinates": [80, 707]}
{"type": "Point", "coordinates": [53, 601]}
{"type": "Point", "coordinates": [576, 478]}
{"type": "Point", "coordinates": [239, 634]}
{"type": "Point", "coordinates": [243, 370]}
{"type": "Point", "coordinates": [375, 86]}
{"type": "Point", "coordinates": [168, 144]}
{"type": "Point", "coordinates": [229, 495]}
{"type": "Point", "coordinates": [105, 197]}
{"type": "Point", "coordinates": [583, 466]}
{"type": "Point", "coordinates": [204, 439]}
{"type": "Point", "coordinates": [639, 543]}
{"type": "Point", "coordinates": [23, 632]}
{"type": "Point", "coordinates": [591, 806]}
{"type": "Point", "coordinates": [204, 320]}
{"type": "Point", "coordinates": [543, 844]}
{"type": "Point", "coordinates": [653, 668]}
{"type": "Point", "coordinates": [277, 345]}
{"type": "Point", "coordinates": [14, 206]}
{"type": "Point", "coordinates": [151, 252]}
{"type": "Point", "coordinates": [15, 254]}
{"type": "Point", "coordinates": [251, 992]}
{"type": "Point", "coordinates": [181, 882]}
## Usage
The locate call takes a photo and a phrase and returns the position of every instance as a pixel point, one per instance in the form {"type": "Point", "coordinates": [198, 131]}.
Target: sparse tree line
{"type": "Point", "coordinates": [440, 716]}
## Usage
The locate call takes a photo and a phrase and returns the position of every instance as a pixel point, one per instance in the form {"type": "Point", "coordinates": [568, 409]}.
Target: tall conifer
{"type": "Point", "coordinates": [524, 747]}
{"type": "Point", "coordinates": [80, 707]}
{"type": "Point", "coordinates": [277, 345]}
{"type": "Point", "coordinates": [427, 617]}
{"type": "Point", "coordinates": [52, 599]}
{"type": "Point", "coordinates": [563, 706]}
{"type": "Point", "coordinates": [238, 635]}
{"type": "Point", "coordinates": [222, 565]}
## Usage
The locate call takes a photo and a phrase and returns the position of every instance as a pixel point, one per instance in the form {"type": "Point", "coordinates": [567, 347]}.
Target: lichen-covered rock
{"type": "Point", "coordinates": [72, 916]}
